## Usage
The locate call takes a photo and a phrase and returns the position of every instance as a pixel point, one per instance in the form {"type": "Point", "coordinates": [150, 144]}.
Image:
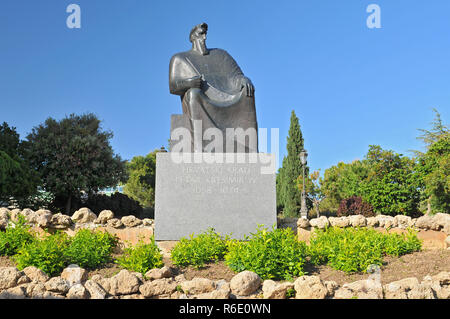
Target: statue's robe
{"type": "Point", "coordinates": [221, 102]}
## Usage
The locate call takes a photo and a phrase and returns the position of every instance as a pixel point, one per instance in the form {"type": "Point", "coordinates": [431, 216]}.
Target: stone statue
{"type": "Point", "coordinates": [215, 94]}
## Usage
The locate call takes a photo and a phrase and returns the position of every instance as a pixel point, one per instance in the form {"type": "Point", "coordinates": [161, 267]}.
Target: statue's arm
{"type": "Point", "coordinates": [241, 81]}
{"type": "Point", "coordinates": [180, 77]}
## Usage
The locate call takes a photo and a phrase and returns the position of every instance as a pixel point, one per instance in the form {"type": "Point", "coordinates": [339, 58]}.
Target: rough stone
{"type": "Point", "coordinates": [245, 283]}
{"type": "Point", "coordinates": [14, 214]}
{"type": "Point", "coordinates": [310, 287]}
{"type": "Point", "coordinates": [198, 286]}
{"type": "Point", "coordinates": [83, 215]}
{"type": "Point", "coordinates": [424, 222]}
{"type": "Point", "coordinates": [3, 223]}
{"type": "Point", "coordinates": [14, 293]}
{"type": "Point", "coordinates": [158, 273]}
{"type": "Point", "coordinates": [439, 221]}
{"type": "Point", "coordinates": [57, 285]}
{"type": "Point", "coordinates": [131, 221]}
{"type": "Point", "coordinates": [147, 222]}
{"type": "Point", "coordinates": [35, 274]}
{"type": "Point", "coordinates": [36, 290]}
{"type": "Point", "coordinates": [331, 286]}
{"type": "Point", "coordinates": [124, 283]}
{"type": "Point", "coordinates": [104, 216]}
{"type": "Point", "coordinates": [274, 290]}
{"type": "Point", "coordinates": [357, 220]}
{"type": "Point", "coordinates": [74, 274]}
{"type": "Point", "coordinates": [399, 289]}
{"type": "Point", "coordinates": [403, 221]}
{"type": "Point", "coordinates": [115, 223]}
{"type": "Point", "coordinates": [303, 223]}
{"type": "Point", "coordinates": [4, 213]}
{"type": "Point", "coordinates": [42, 218]}
{"type": "Point", "coordinates": [339, 221]}
{"type": "Point", "coordinates": [443, 278]}
{"type": "Point", "coordinates": [77, 292]}
{"type": "Point", "coordinates": [361, 289]}
{"type": "Point", "coordinates": [385, 221]}
{"type": "Point", "coordinates": [372, 222]}
{"type": "Point", "coordinates": [158, 287]}
{"type": "Point", "coordinates": [28, 214]}
{"type": "Point", "coordinates": [321, 222]}
{"type": "Point", "coordinates": [95, 290]}
{"type": "Point", "coordinates": [9, 277]}
{"type": "Point", "coordinates": [60, 221]}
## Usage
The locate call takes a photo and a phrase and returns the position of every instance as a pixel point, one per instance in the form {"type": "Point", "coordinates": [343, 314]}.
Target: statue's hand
{"type": "Point", "coordinates": [194, 82]}
{"type": "Point", "coordinates": [245, 82]}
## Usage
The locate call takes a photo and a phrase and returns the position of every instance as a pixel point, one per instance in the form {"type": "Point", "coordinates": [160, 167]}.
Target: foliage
{"type": "Point", "coordinates": [437, 132]}
{"type": "Point", "coordinates": [141, 182]}
{"type": "Point", "coordinates": [90, 249]}
{"type": "Point", "coordinates": [288, 193]}
{"type": "Point", "coordinates": [46, 254]}
{"type": "Point", "coordinates": [142, 257]}
{"type": "Point", "coordinates": [74, 155]}
{"type": "Point", "coordinates": [355, 249]}
{"type": "Point", "coordinates": [355, 205]}
{"type": "Point", "coordinates": [198, 250]}
{"type": "Point", "coordinates": [119, 203]}
{"type": "Point", "coordinates": [275, 254]}
{"type": "Point", "coordinates": [15, 237]}
{"type": "Point", "coordinates": [17, 179]}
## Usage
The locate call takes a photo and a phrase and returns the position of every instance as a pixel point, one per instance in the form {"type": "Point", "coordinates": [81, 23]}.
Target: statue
{"type": "Point", "coordinates": [216, 95]}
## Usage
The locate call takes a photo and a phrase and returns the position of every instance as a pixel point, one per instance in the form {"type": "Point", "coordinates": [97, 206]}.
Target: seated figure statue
{"type": "Point", "coordinates": [216, 95]}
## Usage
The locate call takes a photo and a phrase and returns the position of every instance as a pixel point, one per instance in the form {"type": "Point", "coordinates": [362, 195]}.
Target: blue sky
{"type": "Point", "coordinates": [350, 86]}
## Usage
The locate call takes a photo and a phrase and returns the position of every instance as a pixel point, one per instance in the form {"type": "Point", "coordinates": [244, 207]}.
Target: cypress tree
{"type": "Point", "coordinates": [288, 193]}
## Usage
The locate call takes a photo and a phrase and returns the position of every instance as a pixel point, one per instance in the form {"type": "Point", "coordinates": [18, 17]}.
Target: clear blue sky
{"type": "Point", "coordinates": [350, 86]}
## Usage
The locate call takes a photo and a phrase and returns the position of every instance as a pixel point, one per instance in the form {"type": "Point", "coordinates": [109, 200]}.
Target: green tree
{"type": "Point", "coordinates": [17, 180]}
{"type": "Point", "coordinates": [73, 155]}
{"type": "Point", "coordinates": [288, 193]}
{"type": "Point", "coordinates": [392, 186]}
{"type": "Point", "coordinates": [141, 182]}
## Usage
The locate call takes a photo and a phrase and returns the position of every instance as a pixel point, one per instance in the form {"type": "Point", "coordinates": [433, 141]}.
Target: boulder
{"type": "Point", "coordinates": [339, 221]}
{"type": "Point", "coordinates": [198, 286]}
{"type": "Point", "coordinates": [357, 220]}
{"type": "Point", "coordinates": [83, 215]}
{"type": "Point", "coordinates": [28, 214]}
{"type": "Point", "coordinates": [274, 290]}
{"type": "Point", "coordinates": [77, 292]}
{"type": "Point", "coordinates": [147, 222]}
{"type": "Point", "coordinates": [131, 221]}
{"type": "Point", "coordinates": [321, 222]}
{"type": "Point", "coordinates": [3, 223]}
{"type": "Point", "coordinates": [124, 283]}
{"type": "Point", "coordinates": [14, 214]}
{"type": "Point", "coordinates": [58, 285]}
{"type": "Point", "coordinates": [245, 283]}
{"type": "Point", "coordinates": [104, 216]}
{"type": "Point", "coordinates": [424, 222]}
{"type": "Point", "coordinates": [35, 274]}
{"type": "Point", "coordinates": [361, 289]}
{"type": "Point", "coordinates": [4, 213]}
{"type": "Point", "coordinates": [158, 287]}
{"type": "Point", "coordinates": [42, 218]}
{"type": "Point", "coordinates": [403, 221]}
{"type": "Point", "coordinates": [386, 221]}
{"type": "Point", "coordinates": [222, 291]}
{"type": "Point", "coordinates": [94, 290]}
{"type": "Point", "coordinates": [400, 289]}
{"type": "Point", "coordinates": [310, 287]}
{"type": "Point", "coordinates": [158, 273]}
{"type": "Point", "coordinates": [74, 274]}
{"type": "Point", "coordinates": [372, 222]}
{"type": "Point", "coordinates": [60, 221]}
{"type": "Point", "coordinates": [36, 290]}
{"type": "Point", "coordinates": [115, 223]}
{"type": "Point", "coordinates": [18, 292]}
{"type": "Point", "coordinates": [439, 221]}
{"type": "Point", "coordinates": [9, 277]}
{"type": "Point", "coordinates": [443, 278]}
{"type": "Point", "coordinates": [331, 286]}
{"type": "Point", "coordinates": [303, 223]}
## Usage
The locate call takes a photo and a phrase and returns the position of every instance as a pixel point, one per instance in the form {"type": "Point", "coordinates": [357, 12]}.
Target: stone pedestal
{"type": "Point", "coordinates": [231, 197]}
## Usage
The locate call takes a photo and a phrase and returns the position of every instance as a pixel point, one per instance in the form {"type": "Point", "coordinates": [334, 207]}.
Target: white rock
{"type": "Point", "coordinates": [84, 215]}
{"type": "Point", "coordinates": [310, 287]}
{"type": "Point", "coordinates": [245, 283]}
{"type": "Point", "coordinates": [321, 222]}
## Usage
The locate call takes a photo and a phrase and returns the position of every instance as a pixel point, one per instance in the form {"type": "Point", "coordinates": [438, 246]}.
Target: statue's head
{"type": "Point", "coordinates": [198, 32]}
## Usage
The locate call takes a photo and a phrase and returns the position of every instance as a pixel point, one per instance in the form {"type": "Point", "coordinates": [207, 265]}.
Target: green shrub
{"type": "Point", "coordinates": [354, 249]}
{"type": "Point", "coordinates": [46, 254]}
{"type": "Point", "coordinates": [90, 249]}
{"type": "Point", "coordinates": [142, 257]}
{"type": "Point", "coordinates": [15, 237]}
{"type": "Point", "coordinates": [271, 254]}
{"type": "Point", "coordinates": [198, 250]}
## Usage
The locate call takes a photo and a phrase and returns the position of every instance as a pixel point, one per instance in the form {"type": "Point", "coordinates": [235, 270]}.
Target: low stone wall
{"type": "Point", "coordinates": [32, 283]}
{"type": "Point", "coordinates": [128, 229]}
{"type": "Point", "coordinates": [434, 230]}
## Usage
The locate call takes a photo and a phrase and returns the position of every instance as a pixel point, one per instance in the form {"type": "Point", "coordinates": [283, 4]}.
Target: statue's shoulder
{"type": "Point", "coordinates": [179, 56]}
{"type": "Point", "coordinates": [218, 51]}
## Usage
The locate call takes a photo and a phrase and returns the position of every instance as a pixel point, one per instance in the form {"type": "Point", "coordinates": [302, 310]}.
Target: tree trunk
{"type": "Point", "coordinates": [68, 205]}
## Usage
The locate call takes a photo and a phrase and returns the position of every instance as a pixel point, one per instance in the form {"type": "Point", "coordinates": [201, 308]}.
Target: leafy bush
{"type": "Point", "coordinates": [141, 257]}
{"type": "Point", "coordinates": [355, 205]}
{"type": "Point", "coordinates": [15, 237]}
{"type": "Point", "coordinates": [198, 250]}
{"type": "Point", "coordinates": [90, 249]}
{"type": "Point", "coordinates": [271, 254]}
{"type": "Point", "coordinates": [46, 254]}
{"type": "Point", "coordinates": [354, 249]}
